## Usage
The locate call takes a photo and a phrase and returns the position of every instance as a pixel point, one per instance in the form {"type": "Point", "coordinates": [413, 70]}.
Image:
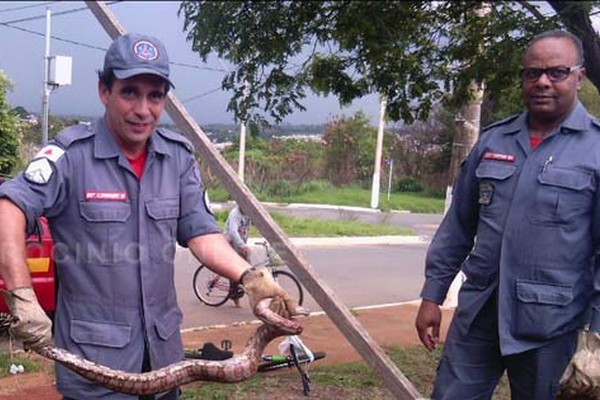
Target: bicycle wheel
{"type": "Point", "coordinates": [290, 284]}
{"type": "Point", "coordinates": [210, 288]}
{"type": "Point", "coordinates": [278, 362]}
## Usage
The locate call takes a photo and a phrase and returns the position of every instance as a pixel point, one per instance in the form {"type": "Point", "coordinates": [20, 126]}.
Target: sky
{"type": "Point", "coordinates": [78, 35]}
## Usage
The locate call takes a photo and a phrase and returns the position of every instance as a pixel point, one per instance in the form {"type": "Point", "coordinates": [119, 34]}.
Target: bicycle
{"type": "Point", "coordinates": [214, 290]}
{"type": "Point", "coordinates": [299, 356]}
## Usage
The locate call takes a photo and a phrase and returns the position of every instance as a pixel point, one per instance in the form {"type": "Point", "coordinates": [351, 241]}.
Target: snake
{"type": "Point", "coordinates": [240, 367]}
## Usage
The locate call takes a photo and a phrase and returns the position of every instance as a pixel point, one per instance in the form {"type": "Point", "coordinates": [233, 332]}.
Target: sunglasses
{"type": "Point", "coordinates": [555, 74]}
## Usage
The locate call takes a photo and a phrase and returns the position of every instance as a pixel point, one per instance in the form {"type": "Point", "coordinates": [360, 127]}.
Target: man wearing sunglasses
{"type": "Point", "coordinates": [524, 227]}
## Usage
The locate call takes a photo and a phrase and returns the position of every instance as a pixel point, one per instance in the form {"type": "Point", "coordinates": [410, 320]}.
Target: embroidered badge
{"type": "Point", "coordinates": [51, 151]}
{"type": "Point", "coordinates": [92, 195]}
{"type": "Point", "coordinates": [498, 156]}
{"type": "Point", "coordinates": [39, 171]}
{"type": "Point", "coordinates": [145, 50]}
{"type": "Point", "coordinates": [486, 192]}
{"type": "Point", "coordinates": [207, 203]}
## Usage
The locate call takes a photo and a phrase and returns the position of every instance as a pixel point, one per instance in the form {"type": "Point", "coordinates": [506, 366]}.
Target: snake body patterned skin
{"type": "Point", "coordinates": [238, 368]}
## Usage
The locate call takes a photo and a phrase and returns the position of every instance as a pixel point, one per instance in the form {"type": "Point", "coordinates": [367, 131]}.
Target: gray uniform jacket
{"type": "Point", "coordinates": [527, 223]}
{"type": "Point", "coordinates": [114, 245]}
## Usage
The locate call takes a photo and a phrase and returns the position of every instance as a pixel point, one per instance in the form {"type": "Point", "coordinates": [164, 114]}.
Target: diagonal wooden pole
{"type": "Point", "coordinates": [371, 352]}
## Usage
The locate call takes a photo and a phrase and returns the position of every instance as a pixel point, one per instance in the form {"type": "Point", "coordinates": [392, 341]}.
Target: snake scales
{"type": "Point", "coordinates": [238, 368]}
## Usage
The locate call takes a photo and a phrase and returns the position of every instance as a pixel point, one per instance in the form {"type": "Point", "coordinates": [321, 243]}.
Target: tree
{"type": "Point", "coordinates": [9, 130]}
{"type": "Point", "coordinates": [349, 149]}
{"type": "Point", "coordinates": [414, 53]}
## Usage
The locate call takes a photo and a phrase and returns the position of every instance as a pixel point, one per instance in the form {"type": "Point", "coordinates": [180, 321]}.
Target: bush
{"type": "Point", "coordinates": [281, 188]}
{"type": "Point", "coordinates": [411, 185]}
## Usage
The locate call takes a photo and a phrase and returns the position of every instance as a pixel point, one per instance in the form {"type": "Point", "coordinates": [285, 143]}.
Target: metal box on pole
{"type": "Point", "coordinates": [60, 70]}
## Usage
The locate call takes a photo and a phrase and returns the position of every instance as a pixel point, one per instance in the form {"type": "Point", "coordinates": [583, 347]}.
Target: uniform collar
{"type": "Point", "coordinates": [578, 120]}
{"type": "Point", "coordinates": [105, 145]}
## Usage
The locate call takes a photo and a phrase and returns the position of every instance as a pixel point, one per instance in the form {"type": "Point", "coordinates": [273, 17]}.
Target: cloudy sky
{"type": "Point", "coordinates": [76, 33]}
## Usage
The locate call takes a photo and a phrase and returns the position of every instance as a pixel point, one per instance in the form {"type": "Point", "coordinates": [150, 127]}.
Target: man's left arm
{"type": "Point", "coordinates": [595, 302]}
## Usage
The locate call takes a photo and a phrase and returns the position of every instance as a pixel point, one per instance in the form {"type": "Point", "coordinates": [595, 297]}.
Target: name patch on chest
{"type": "Point", "coordinates": [94, 195]}
{"type": "Point", "coordinates": [498, 156]}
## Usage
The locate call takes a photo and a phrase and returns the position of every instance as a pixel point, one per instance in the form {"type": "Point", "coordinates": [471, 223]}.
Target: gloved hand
{"type": "Point", "coordinates": [258, 283]}
{"type": "Point", "coordinates": [33, 327]}
{"type": "Point", "coordinates": [581, 378]}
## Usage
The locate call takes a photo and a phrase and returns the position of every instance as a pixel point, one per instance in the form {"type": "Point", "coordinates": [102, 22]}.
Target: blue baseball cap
{"type": "Point", "coordinates": [135, 54]}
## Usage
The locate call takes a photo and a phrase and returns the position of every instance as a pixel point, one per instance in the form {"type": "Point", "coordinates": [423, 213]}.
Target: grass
{"type": "Point", "coordinates": [355, 380]}
{"type": "Point", "coordinates": [6, 360]}
{"type": "Point", "coordinates": [341, 381]}
{"type": "Point", "coordinates": [349, 196]}
{"type": "Point", "coordinates": [297, 227]}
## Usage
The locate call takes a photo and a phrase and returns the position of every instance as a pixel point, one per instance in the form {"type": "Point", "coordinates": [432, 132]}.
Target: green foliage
{"type": "Point", "coordinates": [410, 185]}
{"type": "Point", "coordinates": [590, 98]}
{"type": "Point", "coordinates": [6, 360]}
{"type": "Point", "coordinates": [33, 133]}
{"type": "Point", "coordinates": [9, 130]}
{"type": "Point", "coordinates": [414, 53]}
{"type": "Point", "coordinates": [349, 149]}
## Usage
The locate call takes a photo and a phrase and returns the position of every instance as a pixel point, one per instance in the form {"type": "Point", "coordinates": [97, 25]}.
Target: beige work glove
{"type": "Point", "coordinates": [258, 283]}
{"type": "Point", "coordinates": [33, 327]}
{"type": "Point", "coordinates": [581, 378]}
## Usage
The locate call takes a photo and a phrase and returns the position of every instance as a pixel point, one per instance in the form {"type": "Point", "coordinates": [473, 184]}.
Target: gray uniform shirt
{"type": "Point", "coordinates": [525, 224]}
{"type": "Point", "coordinates": [114, 245]}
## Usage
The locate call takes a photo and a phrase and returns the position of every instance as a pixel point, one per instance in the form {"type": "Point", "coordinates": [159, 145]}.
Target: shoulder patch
{"type": "Point", "coordinates": [501, 122]}
{"type": "Point", "coordinates": [71, 134]}
{"type": "Point", "coordinates": [50, 151]}
{"type": "Point", "coordinates": [176, 137]}
{"type": "Point", "coordinates": [39, 171]}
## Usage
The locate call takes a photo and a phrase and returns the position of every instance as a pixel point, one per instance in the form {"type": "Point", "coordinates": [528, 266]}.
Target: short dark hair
{"type": "Point", "coordinates": [559, 33]}
{"type": "Point", "coordinates": [108, 78]}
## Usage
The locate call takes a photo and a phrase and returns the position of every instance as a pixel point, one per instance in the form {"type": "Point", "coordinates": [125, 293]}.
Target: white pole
{"type": "Point", "coordinates": [46, 91]}
{"type": "Point", "coordinates": [377, 169]}
{"type": "Point", "coordinates": [390, 177]}
{"type": "Point", "coordinates": [242, 156]}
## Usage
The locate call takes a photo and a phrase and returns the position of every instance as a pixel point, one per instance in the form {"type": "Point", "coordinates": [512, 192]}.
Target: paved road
{"type": "Point", "coordinates": [359, 275]}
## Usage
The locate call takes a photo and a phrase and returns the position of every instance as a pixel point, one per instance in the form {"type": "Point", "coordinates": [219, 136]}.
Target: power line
{"type": "Point", "coordinates": [201, 95]}
{"type": "Point", "coordinates": [197, 66]}
{"type": "Point", "coordinates": [25, 7]}
{"type": "Point", "coordinates": [36, 17]}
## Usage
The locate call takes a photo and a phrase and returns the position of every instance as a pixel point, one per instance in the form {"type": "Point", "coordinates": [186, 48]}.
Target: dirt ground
{"type": "Point", "coordinates": [389, 326]}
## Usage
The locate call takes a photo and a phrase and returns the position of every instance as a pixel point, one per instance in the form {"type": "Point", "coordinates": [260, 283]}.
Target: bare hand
{"type": "Point", "coordinates": [428, 323]}
{"type": "Point", "coordinates": [33, 327]}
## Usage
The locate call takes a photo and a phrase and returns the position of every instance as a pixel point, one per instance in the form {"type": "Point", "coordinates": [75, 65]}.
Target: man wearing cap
{"type": "Point", "coordinates": [117, 195]}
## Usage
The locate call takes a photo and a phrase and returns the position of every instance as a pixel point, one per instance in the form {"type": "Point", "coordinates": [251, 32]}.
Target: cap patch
{"type": "Point", "coordinates": [145, 50]}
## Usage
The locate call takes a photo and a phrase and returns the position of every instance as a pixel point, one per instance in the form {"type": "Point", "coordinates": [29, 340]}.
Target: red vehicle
{"type": "Point", "coordinates": [40, 259]}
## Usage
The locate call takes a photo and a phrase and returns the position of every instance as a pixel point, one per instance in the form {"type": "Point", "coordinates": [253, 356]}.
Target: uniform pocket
{"type": "Point", "coordinates": [492, 175]}
{"type": "Point", "coordinates": [104, 224]}
{"type": "Point", "coordinates": [102, 342]}
{"type": "Point", "coordinates": [561, 196]}
{"type": "Point", "coordinates": [163, 214]}
{"type": "Point", "coordinates": [540, 308]}
{"type": "Point", "coordinates": [169, 323]}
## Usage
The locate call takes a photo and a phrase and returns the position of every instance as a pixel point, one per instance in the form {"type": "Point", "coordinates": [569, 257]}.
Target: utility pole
{"type": "Point", "coordinates": [467, 124]}
{"type": "Point", "coordinates": [46, 91]}
{"type": "Point", "coordinates": [242, 156]}
{"type": "Point", "coordinates": [57, 72]}
{"type": "Point", "coordinates": [378, 151]}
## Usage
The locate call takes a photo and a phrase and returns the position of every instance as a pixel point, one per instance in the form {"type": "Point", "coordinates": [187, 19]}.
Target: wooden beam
{"type": "Point", "coordinates": [395, 381]}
